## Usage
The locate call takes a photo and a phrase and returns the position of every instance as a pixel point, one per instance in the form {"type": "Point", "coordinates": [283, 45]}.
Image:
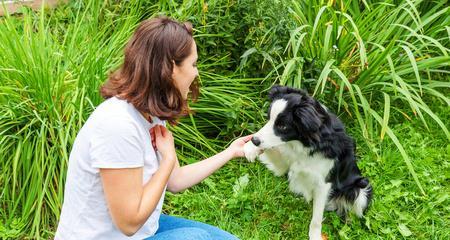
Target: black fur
{"type": "Point", "coordinates": [306, 120]}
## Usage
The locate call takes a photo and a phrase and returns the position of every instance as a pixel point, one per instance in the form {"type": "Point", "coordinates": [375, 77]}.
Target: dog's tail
{"type": "Point", "coordinates": [363, 190]}
{"type": "Point", "coordinates": [354, 197]}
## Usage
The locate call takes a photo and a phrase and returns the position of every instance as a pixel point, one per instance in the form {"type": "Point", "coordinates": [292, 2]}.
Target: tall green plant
{"type": "Point", "coordinates": [371, 60]}
{"type": "Point", "coordinates": [49, 79]}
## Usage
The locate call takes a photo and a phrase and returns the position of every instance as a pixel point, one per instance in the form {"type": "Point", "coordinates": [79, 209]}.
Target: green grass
{"type": "Point", "coordinates": [383, 66]}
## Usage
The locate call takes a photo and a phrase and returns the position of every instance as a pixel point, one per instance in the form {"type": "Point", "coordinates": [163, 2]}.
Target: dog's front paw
{"type": "Point", "coordinates": [315, 236]}
{"type": "Point", "coordinates": [251, 151]}
{"type": "Point", "coordinates": [315, 232]}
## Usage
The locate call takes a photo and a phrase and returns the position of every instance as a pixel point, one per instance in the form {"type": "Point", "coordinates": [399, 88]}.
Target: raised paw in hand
{"type": "Point", "coordinates": [251, 151]}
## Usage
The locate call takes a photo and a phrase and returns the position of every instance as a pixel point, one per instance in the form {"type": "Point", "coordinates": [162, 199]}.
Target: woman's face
{"type": "Point", "coordinates": [185, 73]}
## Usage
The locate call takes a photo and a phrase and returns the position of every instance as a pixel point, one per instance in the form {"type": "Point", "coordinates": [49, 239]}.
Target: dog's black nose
{"type": "Point", "coordinates": [256, 141]}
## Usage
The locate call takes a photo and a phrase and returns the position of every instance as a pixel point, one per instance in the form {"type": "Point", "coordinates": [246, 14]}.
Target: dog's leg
{"type": "Point", "coordinates": [274, 162]}
{"type": "Point", "coordinates": [319, 202]}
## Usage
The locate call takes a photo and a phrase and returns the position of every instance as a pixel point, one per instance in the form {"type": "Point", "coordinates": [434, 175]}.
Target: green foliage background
{"type": "Point", "coordinates": [382, 66]}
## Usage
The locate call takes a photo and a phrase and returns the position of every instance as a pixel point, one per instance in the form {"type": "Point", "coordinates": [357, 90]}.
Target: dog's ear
{"type": "Point", "coordinates": [309, 118]}
{"type": "Point", "coordinates": [278, 91]}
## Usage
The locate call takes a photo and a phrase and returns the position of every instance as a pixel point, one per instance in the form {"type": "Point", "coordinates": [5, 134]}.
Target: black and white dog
{"type": "Point", "coordinates": [306, 141]}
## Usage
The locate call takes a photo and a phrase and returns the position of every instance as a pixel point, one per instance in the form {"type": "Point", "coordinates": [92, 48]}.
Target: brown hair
{"type": "Point", "coordinates": [145, 77]}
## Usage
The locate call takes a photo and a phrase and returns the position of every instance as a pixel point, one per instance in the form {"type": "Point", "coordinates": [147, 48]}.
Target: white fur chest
{"type": "Point", "coordinates": [302, 161]}
{"type": "Point", "coordinates": [305, 172]}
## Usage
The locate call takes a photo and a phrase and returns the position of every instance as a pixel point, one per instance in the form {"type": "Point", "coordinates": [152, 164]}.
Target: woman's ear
{"type": "Point", "coordinates": [175, 69]}
{"type": "Point", "coordinates": [174, 64]}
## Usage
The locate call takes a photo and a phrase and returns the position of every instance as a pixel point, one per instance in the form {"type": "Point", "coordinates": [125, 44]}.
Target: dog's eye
{"type": "Point", "coordinates": [282, 127]}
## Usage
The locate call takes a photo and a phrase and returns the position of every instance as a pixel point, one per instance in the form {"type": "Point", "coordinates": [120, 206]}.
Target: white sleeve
{"type": "Point", "coordinates": [116, 143]}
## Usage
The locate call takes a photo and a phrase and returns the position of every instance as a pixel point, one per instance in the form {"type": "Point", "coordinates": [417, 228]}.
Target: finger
{"type": "Point", "coordinates": [157, 131]}
{"type": "Point", "coordinates": [163, 131]}
{"type": "Point", "coordinates": [247, 138]}
{"type": "Point", "coordinates": [152, 133]}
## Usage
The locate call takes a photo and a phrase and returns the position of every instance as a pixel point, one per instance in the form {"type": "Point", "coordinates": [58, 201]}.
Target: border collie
{"type": "Point", "coordinates": [308, 143]}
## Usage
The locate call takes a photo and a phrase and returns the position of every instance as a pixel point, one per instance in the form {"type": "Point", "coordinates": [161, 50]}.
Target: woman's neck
{"type": "Point", "coordinates": [146, 116]}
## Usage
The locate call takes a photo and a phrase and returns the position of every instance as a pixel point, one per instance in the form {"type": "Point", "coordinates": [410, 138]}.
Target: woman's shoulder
{"type": "Point", "coordinates": [113, 107]}
{"type": "Point", "coordinates": [113, 113]}
{"type": "Point", "coordinates": [118, 112]}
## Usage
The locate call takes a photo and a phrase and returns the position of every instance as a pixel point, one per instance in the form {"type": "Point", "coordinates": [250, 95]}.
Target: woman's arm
{"type": "Point", "coordinates": [129, 202]}
{"type": "Point", "coordinates": [189, 175]}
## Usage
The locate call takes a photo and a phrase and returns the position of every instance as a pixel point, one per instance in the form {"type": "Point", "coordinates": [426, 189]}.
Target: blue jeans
{"type": "Point", "coordinates": [172, 228]}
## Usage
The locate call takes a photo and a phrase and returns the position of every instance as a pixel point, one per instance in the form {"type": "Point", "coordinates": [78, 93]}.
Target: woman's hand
{"type": "Point", "coordinates": [129, 202]}
{"type": "Point", "coordinates": [236, 148]}
{"type": "Point", "coordinates": [162, 141]}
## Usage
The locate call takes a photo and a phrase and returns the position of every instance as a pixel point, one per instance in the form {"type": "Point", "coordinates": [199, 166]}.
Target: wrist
{"type": "Point", "coordinates": [229, 153]}
{"type": "Point", "coordinates": [168, 162]}
{"type": "Point", "coordinates": [168, 155]}
{"type": "Point", "coordinates": [166, 168]}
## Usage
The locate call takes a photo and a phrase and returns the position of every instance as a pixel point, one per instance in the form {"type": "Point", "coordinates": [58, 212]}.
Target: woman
{"type": "Point", "coordinates": [123, 158]}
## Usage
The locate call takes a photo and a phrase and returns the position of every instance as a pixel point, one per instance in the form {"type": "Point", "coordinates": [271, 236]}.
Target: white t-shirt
{"type": "Point", "coordinates": [116, 135]}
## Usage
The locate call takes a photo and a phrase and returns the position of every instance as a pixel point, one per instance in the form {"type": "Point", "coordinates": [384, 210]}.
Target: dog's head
{"type": "Point", "coordinates": [292, 115]}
